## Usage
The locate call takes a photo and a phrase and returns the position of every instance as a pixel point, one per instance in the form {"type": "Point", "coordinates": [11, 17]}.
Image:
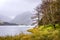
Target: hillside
{"type": "Point", "coordinates": [23, 19]}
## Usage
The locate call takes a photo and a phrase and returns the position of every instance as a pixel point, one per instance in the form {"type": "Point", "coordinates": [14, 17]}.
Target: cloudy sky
{"type": "Point", "coordinates": [11, 8]}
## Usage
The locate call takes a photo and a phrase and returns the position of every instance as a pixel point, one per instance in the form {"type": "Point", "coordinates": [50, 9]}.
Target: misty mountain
{"type": "Point", "coordinates": [23, 19]}
{"type": "Point", "coordinates": [6, 23]}
{"type": "Point", "coordinates": [5, 18]}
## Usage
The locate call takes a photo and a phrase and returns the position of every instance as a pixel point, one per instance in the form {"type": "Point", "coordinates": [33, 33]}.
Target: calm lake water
{"type": "Point", "coordinates": [13, 30]}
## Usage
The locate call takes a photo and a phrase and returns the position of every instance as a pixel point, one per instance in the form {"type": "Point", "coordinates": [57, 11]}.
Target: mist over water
{"type": "Point", "coordinates": [13, 30]}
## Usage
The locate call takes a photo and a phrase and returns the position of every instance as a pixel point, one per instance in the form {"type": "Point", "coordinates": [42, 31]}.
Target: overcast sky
{"type": "Point", "coordinates": [12, 8]}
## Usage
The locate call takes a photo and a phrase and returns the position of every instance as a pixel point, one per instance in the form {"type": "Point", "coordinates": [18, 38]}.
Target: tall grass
{"type": "Point", "coordinates": [41, 33]}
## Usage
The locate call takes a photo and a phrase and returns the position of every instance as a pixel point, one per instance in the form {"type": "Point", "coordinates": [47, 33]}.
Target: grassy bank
{"type": "Point", "coordinates": [46, 32]}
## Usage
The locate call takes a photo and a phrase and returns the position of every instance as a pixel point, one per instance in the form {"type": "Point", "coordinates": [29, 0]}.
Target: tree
{"type": "Point", "coordinates": [51, 12]}
{"type": "Point", "coordinates": [35, 18]}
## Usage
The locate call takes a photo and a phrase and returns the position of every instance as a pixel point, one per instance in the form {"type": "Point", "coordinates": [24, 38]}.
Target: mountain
{"type": "Point", "coordinates": [5, 18]}
{"type": "Point", "coordinates": [23, 18]}
{"type": "Point", "coordinates": [6, 23]}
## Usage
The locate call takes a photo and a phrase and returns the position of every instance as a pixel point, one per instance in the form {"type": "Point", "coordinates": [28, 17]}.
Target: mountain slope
{"type": "Point", "coordinates": [6, 23]}
{"type": "Point", "coordinates": [23, 19]}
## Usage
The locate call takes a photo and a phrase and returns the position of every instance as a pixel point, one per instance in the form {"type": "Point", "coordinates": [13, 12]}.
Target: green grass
{"type": "Point", "coordinates": [46, 32]}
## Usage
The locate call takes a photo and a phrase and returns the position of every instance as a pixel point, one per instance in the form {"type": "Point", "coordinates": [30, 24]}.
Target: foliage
{"type": "Point", "coordinates": [50, 10]}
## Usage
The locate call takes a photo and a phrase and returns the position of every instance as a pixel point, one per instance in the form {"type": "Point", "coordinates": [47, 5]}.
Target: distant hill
{"type": "Point", "coordinates": [6, 23]}
{"type": "Point", "coordinates": [23, 19]}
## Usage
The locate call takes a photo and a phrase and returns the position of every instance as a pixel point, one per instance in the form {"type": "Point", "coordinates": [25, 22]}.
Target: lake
{"type": "Point", "coordinates": [14, 30]}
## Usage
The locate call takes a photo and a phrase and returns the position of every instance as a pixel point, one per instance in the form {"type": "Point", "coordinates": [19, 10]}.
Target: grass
{"type": "Point", "coordinates": [46, 32]}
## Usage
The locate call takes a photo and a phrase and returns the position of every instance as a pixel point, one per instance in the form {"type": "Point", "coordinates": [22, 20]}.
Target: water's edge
{"type": "Point", "coordinates": [13, 30]}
